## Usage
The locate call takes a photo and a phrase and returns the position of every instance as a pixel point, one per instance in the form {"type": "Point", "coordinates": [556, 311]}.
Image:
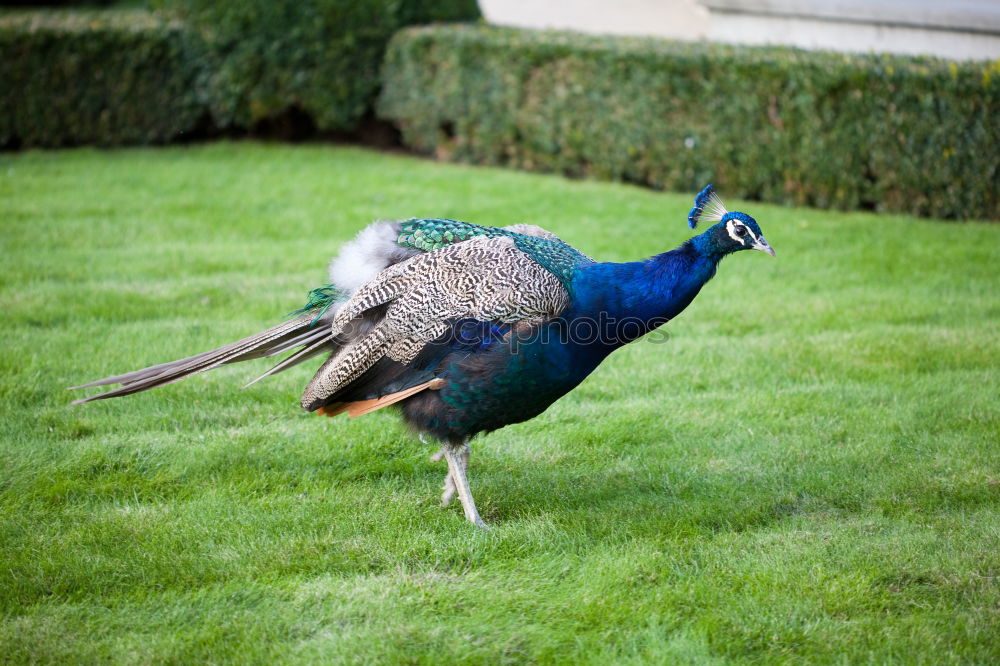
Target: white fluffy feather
{"type": "Point", "coordinates": [360, 260]}
{"type": "Point", "coordinates": [374, 249]}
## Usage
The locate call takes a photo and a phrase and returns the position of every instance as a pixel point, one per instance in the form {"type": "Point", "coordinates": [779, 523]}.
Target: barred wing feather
{"type": "Point", "coordinates": [488, 279]}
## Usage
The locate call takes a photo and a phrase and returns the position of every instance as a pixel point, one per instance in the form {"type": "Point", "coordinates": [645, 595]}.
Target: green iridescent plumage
{"type": "Point", "coordinates": [431, 234]}
{"type": "Point", "coordinates": [320, 300]}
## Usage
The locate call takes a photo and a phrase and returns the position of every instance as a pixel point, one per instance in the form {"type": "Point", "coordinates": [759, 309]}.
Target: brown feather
{"type": "Point", "coordinates": [362, 407]}
{"type": "Point", "coordinates": [252, 347]}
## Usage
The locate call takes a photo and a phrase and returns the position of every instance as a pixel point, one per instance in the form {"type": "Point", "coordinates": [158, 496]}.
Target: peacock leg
{"type": "Point", "coordinates": [458, 460]}
{"type": "Point", "coordinates": [449, 489]}
{"type": "Point", "coordinates": [449, 483]}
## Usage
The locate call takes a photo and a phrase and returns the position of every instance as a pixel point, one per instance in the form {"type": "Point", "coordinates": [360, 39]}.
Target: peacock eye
{"type": "Point", "coordinates": [741, 231]}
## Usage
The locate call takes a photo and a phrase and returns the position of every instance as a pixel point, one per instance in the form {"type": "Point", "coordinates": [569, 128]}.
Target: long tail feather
{"type": "Point", "coordinates": [303, 354]}
{"type": "Point", "coordinates": [284, 336]}
{"type": "Point", "coordinates": [307, 338]}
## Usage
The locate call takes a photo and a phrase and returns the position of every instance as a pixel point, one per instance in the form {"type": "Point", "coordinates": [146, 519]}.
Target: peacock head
{"type": "Point", "coordinates": [733, 231]}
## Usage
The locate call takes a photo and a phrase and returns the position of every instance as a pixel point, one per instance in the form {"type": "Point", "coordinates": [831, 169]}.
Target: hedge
{"type": "Point", "coordinates": [916, 135]}
{"type": "Point", "coordinates": [321, 57]}
{"type": "Point", "coordinates": [98, 77]}
{"type": "Point", "coordinates": [111, 77]}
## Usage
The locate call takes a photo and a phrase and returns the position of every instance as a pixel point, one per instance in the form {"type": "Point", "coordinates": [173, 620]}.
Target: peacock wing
{"type": "Point", "coordinates": [482, 278]}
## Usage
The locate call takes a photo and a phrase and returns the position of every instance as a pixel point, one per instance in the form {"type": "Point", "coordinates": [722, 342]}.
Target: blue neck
{"type": "Point", "coordinates": [628, 300]}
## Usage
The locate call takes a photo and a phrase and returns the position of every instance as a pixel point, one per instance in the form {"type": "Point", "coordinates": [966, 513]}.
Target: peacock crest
{"type": "Point", "coordinates": [708, 207]}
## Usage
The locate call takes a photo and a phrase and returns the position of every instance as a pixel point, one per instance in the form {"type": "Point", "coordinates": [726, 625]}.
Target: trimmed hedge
{"type": "Point", "coordinates": [99, 77]}
{"type": "Point", "coordinates": [916, 135]}
{"type": "Point", "coordinates": [110, 77]}
{"type": "Point", "coordinates": [318, 56]}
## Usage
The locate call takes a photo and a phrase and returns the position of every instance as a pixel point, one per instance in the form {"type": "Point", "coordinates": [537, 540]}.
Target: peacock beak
{"type": "Point", "coordinates": [762, 245]}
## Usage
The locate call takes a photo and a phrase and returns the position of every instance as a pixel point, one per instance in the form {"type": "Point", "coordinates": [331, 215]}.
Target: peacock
{"type": "Point", "coordinates": [466, 329]}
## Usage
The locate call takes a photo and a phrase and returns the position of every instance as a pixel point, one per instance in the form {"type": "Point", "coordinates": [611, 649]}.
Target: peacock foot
{"type": "Point", "coordinates": [455, 481]}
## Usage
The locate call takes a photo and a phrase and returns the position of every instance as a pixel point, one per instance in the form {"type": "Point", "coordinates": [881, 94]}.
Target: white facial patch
{"type": "Point", "coordinates": [731, 230]}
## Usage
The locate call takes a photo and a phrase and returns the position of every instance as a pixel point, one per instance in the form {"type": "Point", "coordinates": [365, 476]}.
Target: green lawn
{"type": "Point", "coordinates": [806, 470]}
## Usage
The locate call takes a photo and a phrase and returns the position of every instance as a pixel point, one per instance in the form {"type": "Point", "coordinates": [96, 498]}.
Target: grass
{"type": "Point", "coordinates": [805, 470]}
